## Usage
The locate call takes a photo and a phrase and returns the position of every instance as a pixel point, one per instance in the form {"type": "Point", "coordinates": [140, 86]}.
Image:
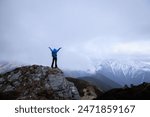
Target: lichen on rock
{"type": "Point", "coordinates": [36, 82]}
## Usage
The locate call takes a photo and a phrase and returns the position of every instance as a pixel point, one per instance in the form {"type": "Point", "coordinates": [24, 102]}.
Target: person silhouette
{"type": "Point", "coordinates": [54, 56]}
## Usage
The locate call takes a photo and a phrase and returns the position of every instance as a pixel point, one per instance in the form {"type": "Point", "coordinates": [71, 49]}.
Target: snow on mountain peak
{"type": "Point", "coordinates": [125, 71]}
{"type": "Point", "coordinates": [8, 66]}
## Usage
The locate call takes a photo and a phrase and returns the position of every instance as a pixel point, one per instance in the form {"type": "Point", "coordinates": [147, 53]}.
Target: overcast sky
{"type": "Point", "coordinates": [87, 30]}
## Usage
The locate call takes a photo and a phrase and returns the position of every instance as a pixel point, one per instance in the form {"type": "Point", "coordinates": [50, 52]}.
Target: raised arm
{"type": "Point", "coordinates": [58, 49]}
{"type": "Point", "coordinates": [50, 48]}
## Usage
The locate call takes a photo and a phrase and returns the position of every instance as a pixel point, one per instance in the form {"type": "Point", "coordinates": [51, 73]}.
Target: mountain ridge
{"type": "Point", "coordinates": [42, 82]}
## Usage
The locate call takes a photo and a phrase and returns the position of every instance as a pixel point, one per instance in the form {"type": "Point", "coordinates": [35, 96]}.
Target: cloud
{"type": "Point", "coordinates": [87, 30]}
{"type": "Point", "coordinates": [138, 48]}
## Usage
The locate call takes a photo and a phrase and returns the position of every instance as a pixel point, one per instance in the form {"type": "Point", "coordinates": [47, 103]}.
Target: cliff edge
{"type": "Point", "coordinates": [36, 82]}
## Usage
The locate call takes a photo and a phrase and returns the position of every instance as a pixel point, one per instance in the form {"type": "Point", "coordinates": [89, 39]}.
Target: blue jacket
{"type": "Point", "coordinates": [54, 52]}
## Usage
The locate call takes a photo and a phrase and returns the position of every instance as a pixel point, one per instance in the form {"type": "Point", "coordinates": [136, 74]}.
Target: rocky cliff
{"type": "Point", "coordinates": [36, 82]}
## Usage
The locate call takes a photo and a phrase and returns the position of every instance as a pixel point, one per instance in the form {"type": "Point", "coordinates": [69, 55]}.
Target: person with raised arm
{"type": "Point", "coordinates": [54, 56]}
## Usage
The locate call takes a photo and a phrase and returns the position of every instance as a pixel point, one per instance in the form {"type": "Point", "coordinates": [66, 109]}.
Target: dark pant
{"type": "Point", "coordinates": [54, 61]}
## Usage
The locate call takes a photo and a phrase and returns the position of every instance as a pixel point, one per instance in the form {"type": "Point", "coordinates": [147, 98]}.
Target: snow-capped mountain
{"type": "Point", "coordinates": [7, 66]}
{"type": "Point", "coordinates": [125, 71]}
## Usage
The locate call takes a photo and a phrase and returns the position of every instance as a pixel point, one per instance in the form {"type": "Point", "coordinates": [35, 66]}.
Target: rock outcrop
{"type": "Point", "coordinates": [86, 90]}
{"type": "Point", "coordinates": [36, 82]}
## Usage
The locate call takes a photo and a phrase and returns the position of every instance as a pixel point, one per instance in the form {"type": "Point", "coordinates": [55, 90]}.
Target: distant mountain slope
{"type": "Point", "coordinates": [75, 73]}
{"type": "Point", "coordinates": [103, 83]}
{"type": "Point", "coordinates": [140, 92]}
{"type": "Point", "coordinates": [7, 66]}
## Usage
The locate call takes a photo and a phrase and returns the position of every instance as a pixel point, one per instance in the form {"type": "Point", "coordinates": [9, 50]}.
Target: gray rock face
{"type": "Point", "coordinates": [36, 82]}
